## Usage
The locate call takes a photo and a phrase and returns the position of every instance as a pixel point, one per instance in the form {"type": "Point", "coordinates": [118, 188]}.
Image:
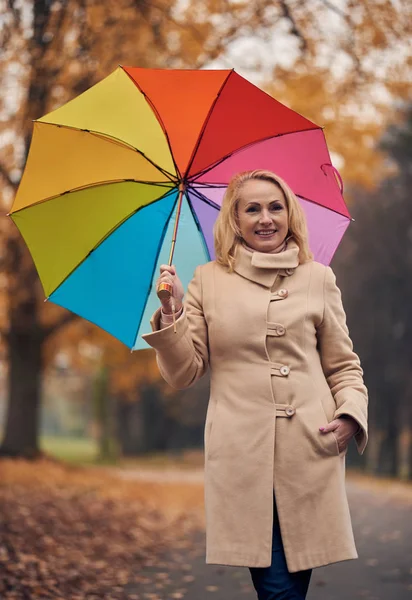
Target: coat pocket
{"type": "Point", "coordinates": [309, 417]}
{"type": "Point", "coordinates": [329, 443]}
{"type": "Point", "coordinates": [328, 440]}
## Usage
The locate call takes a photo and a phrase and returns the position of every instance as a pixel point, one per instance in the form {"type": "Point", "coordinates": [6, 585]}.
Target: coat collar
{"type": "Point", "coordinates": [262, 267]}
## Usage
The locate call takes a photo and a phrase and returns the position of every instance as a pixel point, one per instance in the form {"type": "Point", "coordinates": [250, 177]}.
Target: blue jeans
{"type": "Point", "coordinates": [275, 582]}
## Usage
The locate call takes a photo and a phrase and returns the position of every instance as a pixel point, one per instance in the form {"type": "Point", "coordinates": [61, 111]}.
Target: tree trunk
{"type": "Point", "coordinates": [25, 374]}
{"type": "Point", "coordinates": [104, 414]}
{"type": "Point", "coordinates": [404, 444]}
{"type": "Point", "coordinates": [25, 338]}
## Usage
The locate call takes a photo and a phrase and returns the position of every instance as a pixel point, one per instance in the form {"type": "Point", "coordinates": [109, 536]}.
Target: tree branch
{"type": "Point", "coordinates": [14, 11]}
{"type": "Point", "coordinates": [193, 30]}
{"type": "Point", "coordinates": [4, 333]}
{"type": "Point", "coordinates": [286, 12]}
{"type": "Point", "coordinates": [334, 8]}
{"type": "Point", "coordinates": [5, 174]}
{"type": "Point", "coordinates": [351, 46]}
{"type": "Point", "coordinates": [66, 319]}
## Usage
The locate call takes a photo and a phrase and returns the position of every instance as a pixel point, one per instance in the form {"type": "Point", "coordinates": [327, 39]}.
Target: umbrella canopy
{"type": "Point", "coordinates": [99, 198]}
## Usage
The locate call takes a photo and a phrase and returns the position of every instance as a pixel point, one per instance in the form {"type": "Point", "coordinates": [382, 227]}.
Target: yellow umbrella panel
{"type": "Point", "coordinates": [93, 164]}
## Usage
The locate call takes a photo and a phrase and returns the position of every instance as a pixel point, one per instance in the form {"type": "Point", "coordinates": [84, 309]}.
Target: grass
{"type": "Point", "coordinates": [78, 451]}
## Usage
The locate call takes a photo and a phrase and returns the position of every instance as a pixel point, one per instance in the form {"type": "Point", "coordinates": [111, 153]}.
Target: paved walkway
{"type": "Point", "coordinates": [382, 523]}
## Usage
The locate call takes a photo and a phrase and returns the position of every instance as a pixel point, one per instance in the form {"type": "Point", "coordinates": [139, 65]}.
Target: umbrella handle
{"type": "Point", "coordinates": [339, 178]}
{"type": "Point", "coordinates": [336, 173]}
{"type": "Point", "coordinates": [164, 291]}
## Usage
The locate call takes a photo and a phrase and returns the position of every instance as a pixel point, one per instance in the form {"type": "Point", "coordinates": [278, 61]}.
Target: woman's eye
{"type": "Point", "coordinates": [277, 207]}
{"type": "Point", "coordinates": [251, 209]}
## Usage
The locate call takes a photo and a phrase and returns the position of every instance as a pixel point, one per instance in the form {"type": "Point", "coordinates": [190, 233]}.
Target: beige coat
{"type": "Point", "coordinates": [282, 365]}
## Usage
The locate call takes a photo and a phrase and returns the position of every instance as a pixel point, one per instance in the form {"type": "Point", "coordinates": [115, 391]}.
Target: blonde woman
{"type": "Point", "coordinates": [287, 393]}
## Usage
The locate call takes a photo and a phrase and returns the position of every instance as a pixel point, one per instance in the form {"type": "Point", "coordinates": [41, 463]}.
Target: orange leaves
{"type": "Point", "coordinates": [352, 128]}
{"type": "Point", "coordinates": [134, 371]}
{"type": "Point", "coordinates": [79, 533]}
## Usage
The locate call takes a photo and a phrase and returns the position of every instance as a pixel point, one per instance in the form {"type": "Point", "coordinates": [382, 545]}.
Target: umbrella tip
{"type": "Point", "coordinates": [45, 300]}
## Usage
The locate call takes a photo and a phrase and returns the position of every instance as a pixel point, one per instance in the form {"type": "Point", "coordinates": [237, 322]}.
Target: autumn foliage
{"type": "Point", "coordinates": [82, 533]}
{"type": "Point", "coordinates": [345, 68]}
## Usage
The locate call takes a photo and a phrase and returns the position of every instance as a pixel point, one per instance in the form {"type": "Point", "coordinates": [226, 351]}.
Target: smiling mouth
{"type": "Point", "coordinates": [266, 233]}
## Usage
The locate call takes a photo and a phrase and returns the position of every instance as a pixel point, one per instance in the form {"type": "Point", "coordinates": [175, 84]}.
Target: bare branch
{"type": "Point", "coordinates": [4, 334]}
{"type": "Point", "coordinates": [14, 11]}
{"type": "Point", "coordinates": [66, 319]}
{"type": "Point", "coordinates": [294, 27]}
{"type": "Point", "coordinates": [334, 8]}
{"type": "Point", "coordinates": [143, 6]}
{"type": "Point", "coordinates": [6, 176]}
{"type": "Point", "coordinates": [8, 28]}
{"type": "Point", "coordinates": [351, 45]}
{"type": "Point", "coordinates": [193, 30]}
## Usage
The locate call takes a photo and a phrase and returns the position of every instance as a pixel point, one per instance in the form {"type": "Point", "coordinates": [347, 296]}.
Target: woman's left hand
{"type": "Point", "coordinates": [344, 429]}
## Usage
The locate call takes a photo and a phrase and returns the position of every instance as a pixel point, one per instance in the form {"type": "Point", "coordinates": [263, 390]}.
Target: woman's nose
{"type": "Point", "coordinates": [265, 217]}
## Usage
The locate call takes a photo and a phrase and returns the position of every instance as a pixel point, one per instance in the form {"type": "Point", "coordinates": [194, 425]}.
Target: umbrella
{"type": "Point", "coordinates": [132, 172]}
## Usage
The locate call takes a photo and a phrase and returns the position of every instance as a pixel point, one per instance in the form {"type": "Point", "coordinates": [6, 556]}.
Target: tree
{"type": "Point", "coordinates": [61, 52]}
{"type": "Point", "coordinates": [374, 268]}
{"type": "Point", "coordinates": [55, 49]}
{"type": "Point", "coordinates": [349, 80]}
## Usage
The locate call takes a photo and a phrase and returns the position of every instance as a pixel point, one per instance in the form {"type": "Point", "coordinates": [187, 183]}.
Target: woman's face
{"type": "Point", "coordinates": [263, 216]}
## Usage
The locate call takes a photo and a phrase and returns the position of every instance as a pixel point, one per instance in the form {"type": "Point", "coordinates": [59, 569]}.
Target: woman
{"type": "Point", "coordinates": [287, 392]}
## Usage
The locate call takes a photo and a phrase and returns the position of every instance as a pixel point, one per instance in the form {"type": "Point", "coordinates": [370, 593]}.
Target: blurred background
{"type": "Point", "coordinates": [70, 391]}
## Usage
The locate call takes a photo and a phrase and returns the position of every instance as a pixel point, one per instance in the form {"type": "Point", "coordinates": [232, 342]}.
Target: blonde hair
{"type": "Point", "coordinates": [226, 231]}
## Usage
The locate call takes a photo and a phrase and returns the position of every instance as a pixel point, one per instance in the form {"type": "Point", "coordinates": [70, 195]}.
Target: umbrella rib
{"type": "Point", "coordinates": [198, 225]}
{"type": "Point", "coordinates": [207, 186]}
{"type": "Point", "coordinates": [159, 118]}
{"type": "Point", "coordinates": [206, 121]}
{"type": "Point", "coordinates": [106, 235]}
{"type": "Point", "coordinates": [154, 267]}
{"type": "Point", "coordinates": [230, 154]}
{"type": "Point", "coordinates": [203, 198]}
{"type": "Point", "coordinates": [323, 206]}
{"type": "Point", "coordinates": [206, 199]}
{"type": "Point", "coordinates": [114, 140]}
{"type": "Point", "coordinates": [87, 187]}
{"type": "Point", "coordinates": [197, 193]}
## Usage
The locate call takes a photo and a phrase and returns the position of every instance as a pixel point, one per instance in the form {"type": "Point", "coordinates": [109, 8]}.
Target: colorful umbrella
{"type": "Point", "coordinates": [110, 175]}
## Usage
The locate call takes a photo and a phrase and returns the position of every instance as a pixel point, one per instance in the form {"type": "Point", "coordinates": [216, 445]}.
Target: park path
{"type": "Point", "coordinates": [382, 521]}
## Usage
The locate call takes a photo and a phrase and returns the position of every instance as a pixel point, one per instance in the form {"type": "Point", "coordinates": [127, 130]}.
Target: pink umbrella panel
{"type": "Point", "coordinates": [302, 160]}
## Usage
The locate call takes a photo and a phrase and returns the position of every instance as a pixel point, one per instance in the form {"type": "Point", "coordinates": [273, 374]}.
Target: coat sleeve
{"type": "Point", "coordinates": [182, 357]}
{"type": "Point", "coordinates": [340, 364]}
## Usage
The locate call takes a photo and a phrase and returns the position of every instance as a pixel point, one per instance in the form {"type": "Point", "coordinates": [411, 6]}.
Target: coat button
{"type": "Point", "coordinates": [281, 330]}
{"type": "Point", "coordinates": [289, 271]}
{"type": "Point", "coordinates": [290, 411]}
{"type": "Point", "coordinates": [284, 370]}
{"type": "Point", "coordinates": [283, 293]}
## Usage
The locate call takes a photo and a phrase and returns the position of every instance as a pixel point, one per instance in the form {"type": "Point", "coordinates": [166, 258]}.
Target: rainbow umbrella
{"type": "Point", "coordinates": [112, 173]}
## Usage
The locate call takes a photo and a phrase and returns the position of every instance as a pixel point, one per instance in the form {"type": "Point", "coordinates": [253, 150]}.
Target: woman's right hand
{"type": "Point", "coordinates": [168, 275]}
